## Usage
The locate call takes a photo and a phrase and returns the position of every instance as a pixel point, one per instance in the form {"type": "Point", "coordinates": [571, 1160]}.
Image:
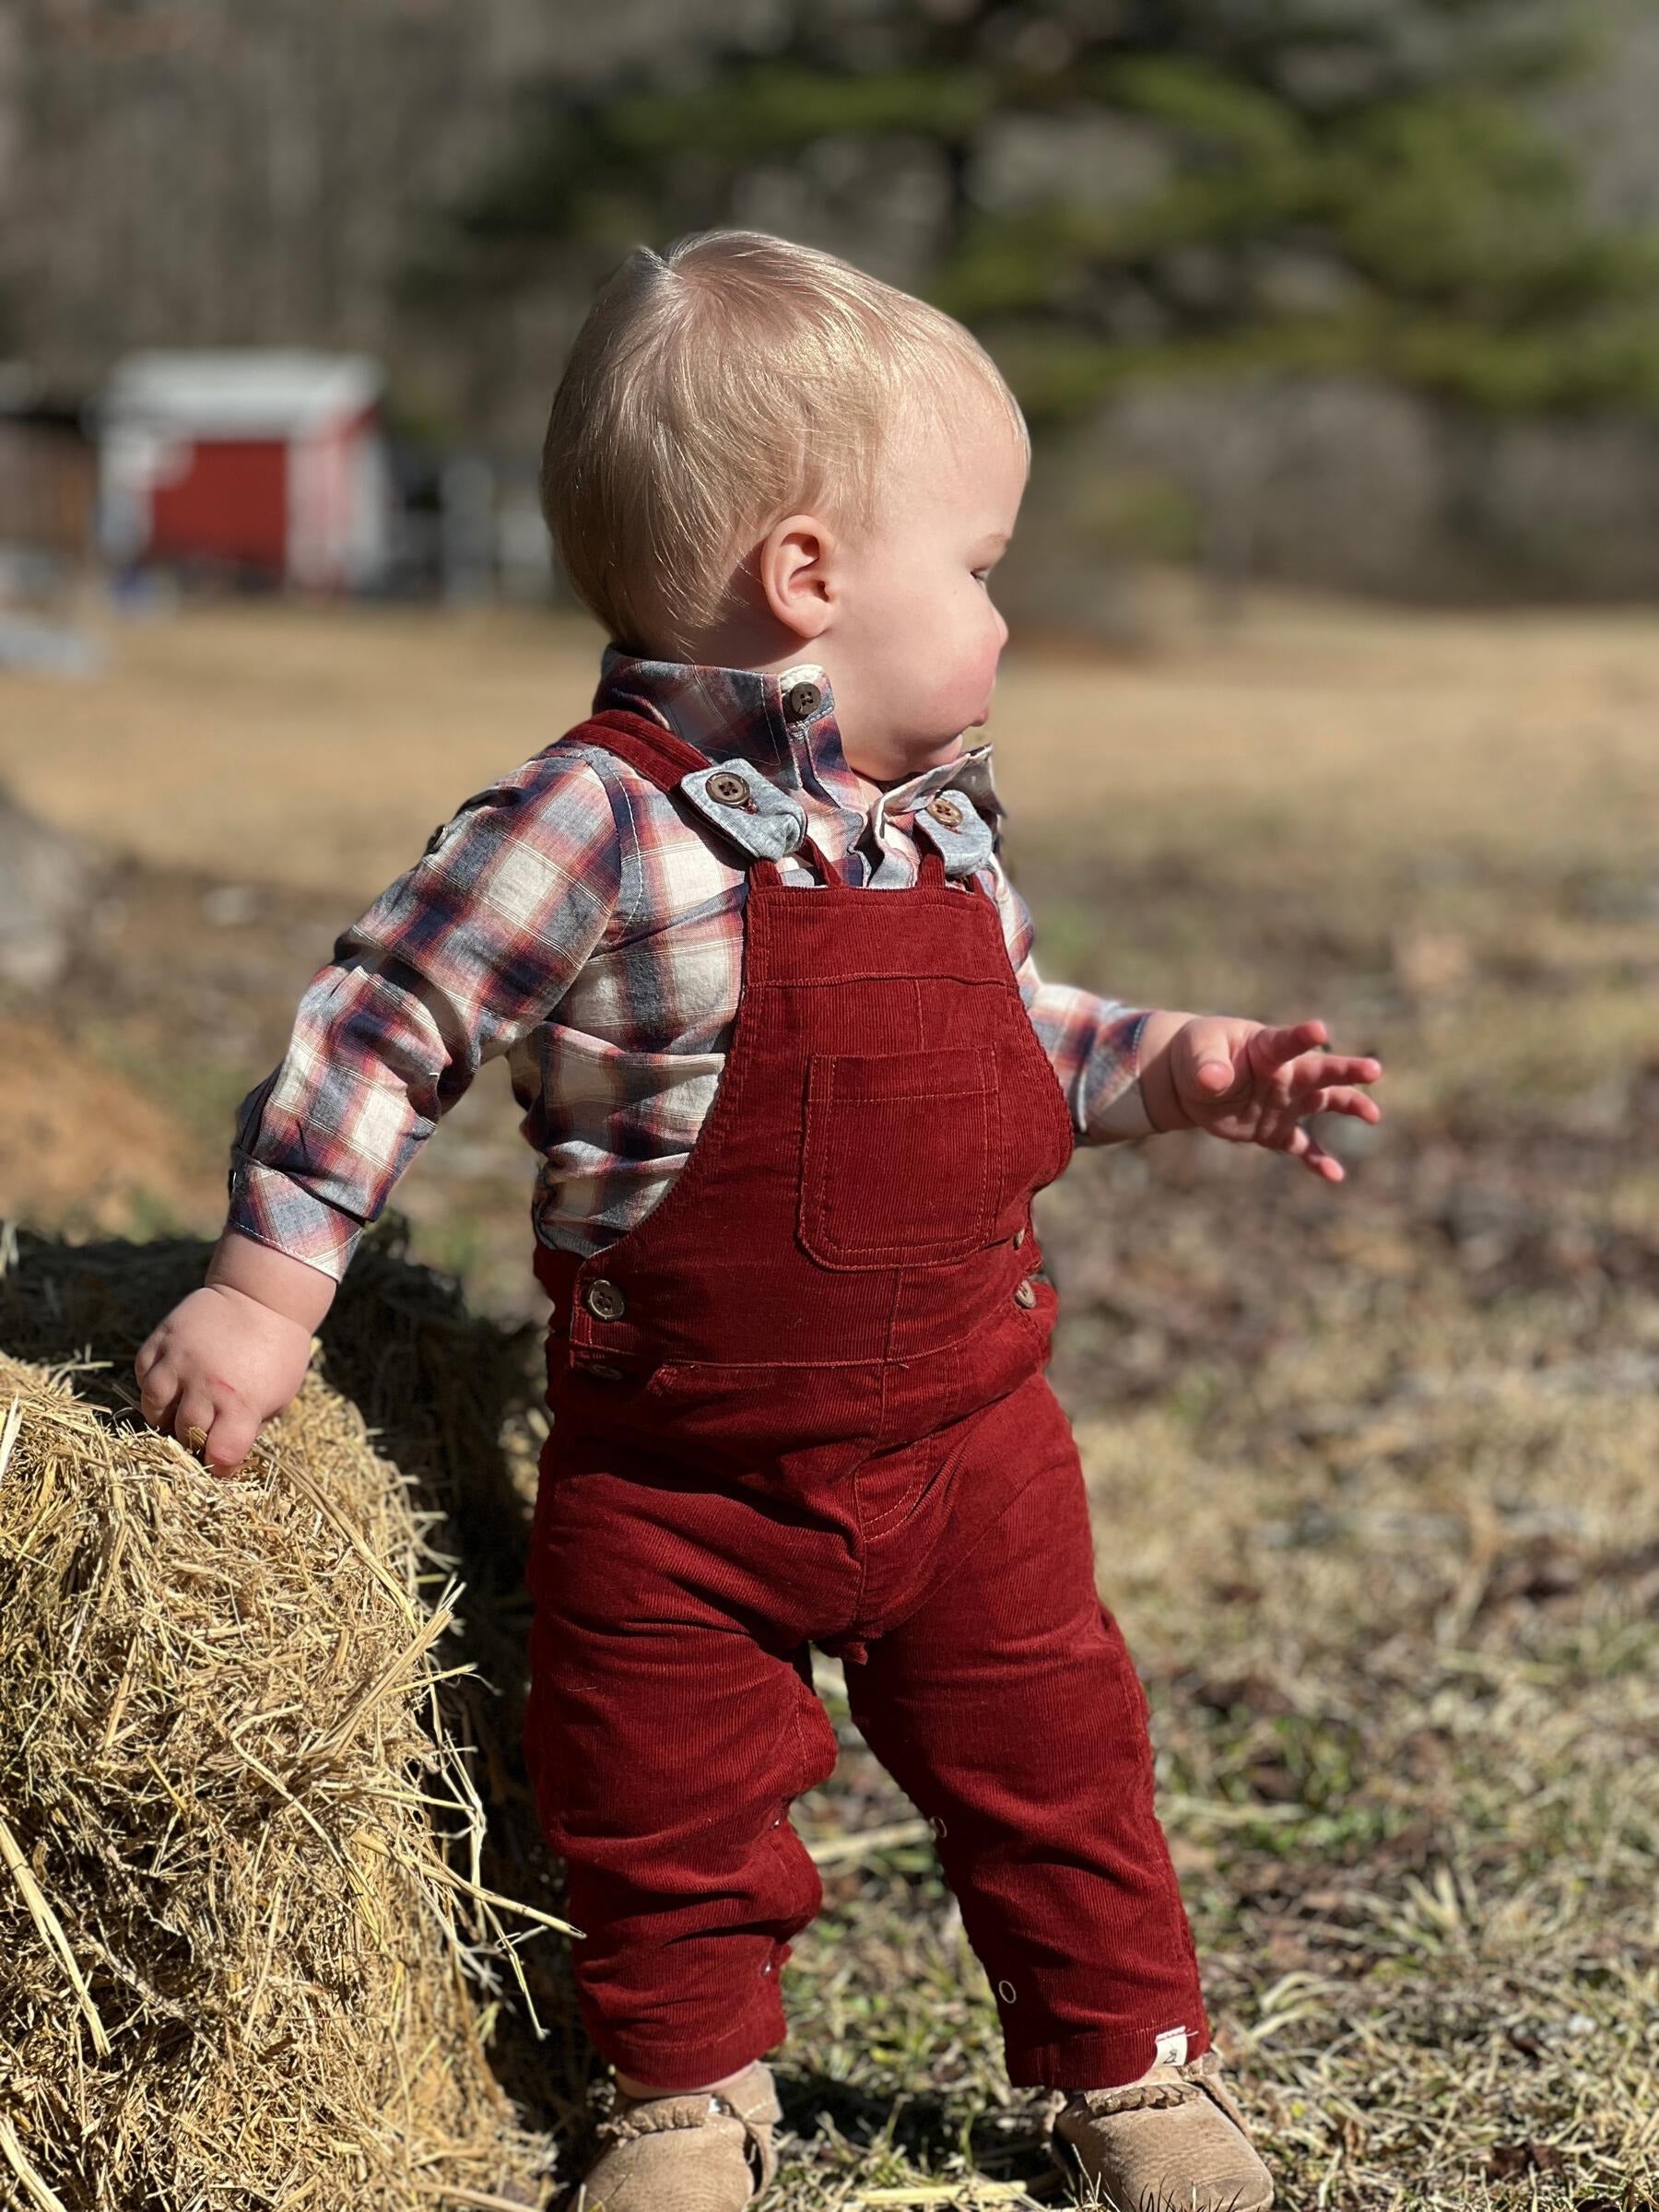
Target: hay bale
{"type": "Point", "coordinates": [242, 1928]}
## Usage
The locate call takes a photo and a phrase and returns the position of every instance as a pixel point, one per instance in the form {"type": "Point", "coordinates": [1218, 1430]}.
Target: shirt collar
{"type": "Point", "coordinates": [732, 713]}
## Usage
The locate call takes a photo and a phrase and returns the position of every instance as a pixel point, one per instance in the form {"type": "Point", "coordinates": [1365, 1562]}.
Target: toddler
{"type": "Point", "coordinates": [770, 1008]}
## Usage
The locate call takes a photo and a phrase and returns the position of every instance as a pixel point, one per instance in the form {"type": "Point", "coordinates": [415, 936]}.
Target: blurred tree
{"type": "Point", "coordinates": [1107, 189]}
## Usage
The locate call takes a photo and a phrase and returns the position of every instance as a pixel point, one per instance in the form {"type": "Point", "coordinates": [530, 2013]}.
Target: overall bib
{"type": "Point", "coordinates": [803, 1400]}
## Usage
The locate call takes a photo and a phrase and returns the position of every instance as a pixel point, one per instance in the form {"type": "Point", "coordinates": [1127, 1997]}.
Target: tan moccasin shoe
{"type": "Point", "coordinates": [706, 2153]}
{"type": "Point", "coordinates": [1174, 2141]}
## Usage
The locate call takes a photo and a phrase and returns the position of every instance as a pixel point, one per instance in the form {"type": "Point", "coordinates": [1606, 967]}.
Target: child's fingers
{"type": "Point", "coordinates": [1321, 1069]}
{"type": "Point", "coordinates": [220, 1436]}
{"type": "Point", "coordinates": [1359, 1103]}
{"type": "Point", "coordinates": [229, 1440]}
{"type": "Point", "coordinates": [194, 1417]}
{"type": "Point", "coordinates": [1274, 1048]}
{"type": "Point", "coordinates": [1209, 1043]}
{"type": "Point", "coordinates": [1304, 1145]}
{"type": "Point", "coordinates": [158, 1396]}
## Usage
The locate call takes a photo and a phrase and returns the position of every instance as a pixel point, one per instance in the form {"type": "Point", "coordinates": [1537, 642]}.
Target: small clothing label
{"type": "Point", "coordinates": [1172, 2047]}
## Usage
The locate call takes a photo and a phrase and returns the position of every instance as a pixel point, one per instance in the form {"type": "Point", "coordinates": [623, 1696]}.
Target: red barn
{"type": "Point", "coordinates": [264, 463]}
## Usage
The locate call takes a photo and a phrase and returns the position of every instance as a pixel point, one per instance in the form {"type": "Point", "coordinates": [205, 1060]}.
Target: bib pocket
{"type": "Point", "coordinates": [899, 1157]}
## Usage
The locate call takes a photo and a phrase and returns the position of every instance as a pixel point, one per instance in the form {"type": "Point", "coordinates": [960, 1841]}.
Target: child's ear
{"type": "Point", "coordinates": [793, 568]}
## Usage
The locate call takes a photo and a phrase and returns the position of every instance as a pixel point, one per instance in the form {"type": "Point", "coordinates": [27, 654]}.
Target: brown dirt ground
{"type": "Point", "coordinates": [81, 1144]}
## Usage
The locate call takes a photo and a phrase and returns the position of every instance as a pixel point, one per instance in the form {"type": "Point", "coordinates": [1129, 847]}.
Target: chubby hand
{"type": "Point", "coordinates": [218, 1367]}
{"type": "Point", "coordinates": [1257, 1085]}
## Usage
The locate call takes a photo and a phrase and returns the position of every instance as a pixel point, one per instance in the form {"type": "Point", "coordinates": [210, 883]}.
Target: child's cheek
{"type": "Point", "coordinates": [987, 650]}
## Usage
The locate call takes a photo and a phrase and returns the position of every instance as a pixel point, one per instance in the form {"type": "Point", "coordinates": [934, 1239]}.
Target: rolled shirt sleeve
{"type": "Point", "coordinates": [1092, 1042]}
{"type": "Point", "coordinates": [467, 950]}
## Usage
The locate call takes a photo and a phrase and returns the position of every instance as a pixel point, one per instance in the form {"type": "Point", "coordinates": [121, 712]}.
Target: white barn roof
{"type": "Point", "coordinates": [242, 393]}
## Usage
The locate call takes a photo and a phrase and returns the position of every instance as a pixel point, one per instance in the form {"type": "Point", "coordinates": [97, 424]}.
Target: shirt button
{"type": "Point", "coordinates": [1019, 1238]}
{"type": "Point", "coordinates": [605, 1300]}
{"type": "Point", "coordinates": [1025, 1294]}
{"type": "Point", "coordinates": [802, 700]}
{"type": "Point", "coordinates": [729, 789]}
{"type": "Point", "coordinates": [945, 810]}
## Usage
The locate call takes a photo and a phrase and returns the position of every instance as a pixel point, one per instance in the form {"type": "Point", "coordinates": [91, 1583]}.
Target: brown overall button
{"type": "Point", "coordinates": [945, 810]}
{"type": "Point", "coordinates": [603, 1371]}
{"type": "Point", "coordinates": [729, 789]}
{"type": "Point", "coordinates": [1025, 1294]}
{"type": "Point", "coordinates": [1019, 1238]}
{"type": "Point", "coordinates": [802, 700]}
{"type": "Point", "coordinates": [605, 1300]}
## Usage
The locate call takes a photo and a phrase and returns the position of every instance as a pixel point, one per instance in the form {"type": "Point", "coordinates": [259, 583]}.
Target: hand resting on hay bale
{"type": "Point", "coordinates": [247, 1924]}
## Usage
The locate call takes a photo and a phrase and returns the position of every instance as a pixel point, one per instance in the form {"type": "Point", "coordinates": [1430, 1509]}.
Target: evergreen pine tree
{"type": "Point", "coordinates": [1296, 185]}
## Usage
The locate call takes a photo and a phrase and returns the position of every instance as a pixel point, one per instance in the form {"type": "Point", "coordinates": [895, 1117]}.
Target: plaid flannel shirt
{"type": "Point", "coordinates": [575, 917]}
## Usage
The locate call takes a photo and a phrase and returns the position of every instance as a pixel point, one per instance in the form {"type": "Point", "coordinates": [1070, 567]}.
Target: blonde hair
{"type": "Point", "coordinates": [712, 389]}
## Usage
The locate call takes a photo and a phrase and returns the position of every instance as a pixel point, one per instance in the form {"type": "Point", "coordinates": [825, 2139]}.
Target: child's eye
{"type": "Point", "coordinates": [982, 575]}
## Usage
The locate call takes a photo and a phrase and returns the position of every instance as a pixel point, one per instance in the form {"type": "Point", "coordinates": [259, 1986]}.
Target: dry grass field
{"type": "Point", "coordinates": [1373, 1468]}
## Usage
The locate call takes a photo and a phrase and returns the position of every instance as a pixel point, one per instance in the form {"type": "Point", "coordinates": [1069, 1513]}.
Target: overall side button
{"type": "Point", "coordinates": [605, 1300]}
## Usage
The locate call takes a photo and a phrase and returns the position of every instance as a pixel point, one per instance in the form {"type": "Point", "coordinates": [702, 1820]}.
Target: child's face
{"type": "Point", "coordinates": [914, 638]}
{"type": "Point", "coordinates": [900, 618]}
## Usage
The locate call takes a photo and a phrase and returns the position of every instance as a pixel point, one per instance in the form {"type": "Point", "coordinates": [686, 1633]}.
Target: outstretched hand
{"type": "Point", "coordinates": [1254, 1084]}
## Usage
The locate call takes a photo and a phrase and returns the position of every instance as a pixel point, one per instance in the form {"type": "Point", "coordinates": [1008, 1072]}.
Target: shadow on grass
{"type": "Point", "coordinates": [927, 2126]}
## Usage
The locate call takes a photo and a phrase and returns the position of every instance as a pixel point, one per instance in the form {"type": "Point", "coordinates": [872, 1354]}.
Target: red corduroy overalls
{"type": "Point", "coordinates": [804, 1402]}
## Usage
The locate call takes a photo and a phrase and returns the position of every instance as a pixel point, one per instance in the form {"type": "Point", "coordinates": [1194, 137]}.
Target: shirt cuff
{"type": "Point", "coordinates": [273, 1208]}
{"type": "Point", "coordinates": [1114, 1107]}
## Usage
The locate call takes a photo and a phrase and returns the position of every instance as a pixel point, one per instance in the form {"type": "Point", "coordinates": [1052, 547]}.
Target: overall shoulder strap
{"type": "Point", "coordinates": [664, 758]}
{"type": "Point", "coordinates": [658, 753]}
